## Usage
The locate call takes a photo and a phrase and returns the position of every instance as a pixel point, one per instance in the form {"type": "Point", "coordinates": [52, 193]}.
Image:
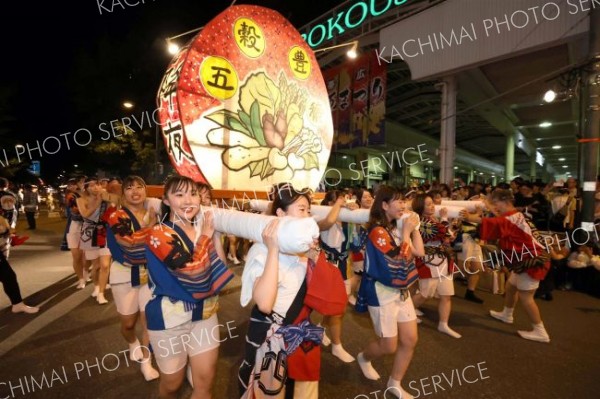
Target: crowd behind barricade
{"type": "Point", "coordinates": [166, 264]}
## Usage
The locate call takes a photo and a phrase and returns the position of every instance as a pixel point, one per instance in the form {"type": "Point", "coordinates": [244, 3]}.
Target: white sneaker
{"type": "Point", "coordinates": [234, 259]}
{"type": "Point", "coordinates": [107, 287]}
{"type": "Point", "coordinates": [395, 389]}
{"type": "Point", "coordinates": [339, 352]}
{"type": "Point", "coordinates": [352, 300]}
{"type": "Point", "coordinates": [326, 341]}
{"type": "Point", "coordinates": [419, 313]}
{"type": "Point", "coordinates": [149, 372]}
{"type": "Point", "coordinates": [501, 316]}
{"type": "Point", "coordinates": [367, 368]}
{"type": "Point", "coordinates": [96, 291]}
{"type": "Point", "coordinates": [444, 328]}
{"type": "Point", "coordinates": [135, 351]}
{"type": "Point", "coordinates": [101, 300]}
{"type": "Point", "coordinates": [81, 284]}
{"type": "Point", "coordinates": [400, 393]}
{"type": "Point", "coordinates": [22, 308]}
{"type": "Point", "coordinates": [535, 335]}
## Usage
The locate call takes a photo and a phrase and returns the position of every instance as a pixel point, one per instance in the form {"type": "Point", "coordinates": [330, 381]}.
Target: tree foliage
{"type": "Point", "coordinates": [127, 152]}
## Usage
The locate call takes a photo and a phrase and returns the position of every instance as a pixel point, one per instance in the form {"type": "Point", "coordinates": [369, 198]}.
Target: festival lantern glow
{"type": "Point", "coordinates": [244, 104]}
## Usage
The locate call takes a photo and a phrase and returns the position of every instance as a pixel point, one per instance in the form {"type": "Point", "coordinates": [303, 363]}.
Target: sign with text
{"type": "Point", "coordinates": [357, 97]}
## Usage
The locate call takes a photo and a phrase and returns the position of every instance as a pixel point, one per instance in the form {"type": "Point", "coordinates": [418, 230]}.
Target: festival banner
{"type": "Point", "coordinates": [344, 138]}
{"type": "Point", "coordinates": [251, 104]}
{"type": "Point", "coordinates": [331, 77]}
{"type": "Point", "coordinates": [377, 89]}
{"type": "Point", "coordinates": [360, 100]}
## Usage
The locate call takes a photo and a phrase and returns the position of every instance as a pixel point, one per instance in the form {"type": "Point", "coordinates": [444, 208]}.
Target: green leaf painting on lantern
{"type": "Point", "coordinates": [268, 132]}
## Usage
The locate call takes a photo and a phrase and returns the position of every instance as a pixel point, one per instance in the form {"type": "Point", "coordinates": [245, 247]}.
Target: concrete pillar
{"type": "Point", "coordinates": [448, 130]}
{"type": "Point", "coordinates": [592, 128]}
{"type": "Point", "coordinates": [406, 173]}
{"type": "Point", "coordinates": [583, 92]}
{"type": "Point", "coordinates": [510, 158]}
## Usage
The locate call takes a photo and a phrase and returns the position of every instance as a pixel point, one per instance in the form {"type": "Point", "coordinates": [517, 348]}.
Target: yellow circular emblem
{"type": "Point", "coordinates": [299, 62]}
{"type": "Point", "coordinates": [249, 37]}
{"type": "Point", "coordinates": [218, 77]}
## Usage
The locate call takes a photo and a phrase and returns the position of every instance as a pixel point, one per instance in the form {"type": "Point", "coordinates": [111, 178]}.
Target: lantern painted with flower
{"type": "Point", "coordinates": [244, 104]}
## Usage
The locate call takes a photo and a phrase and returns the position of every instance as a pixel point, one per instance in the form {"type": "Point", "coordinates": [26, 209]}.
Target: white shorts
{"type": "Point", "coordinates": [173, 346]}
{"type": "Point", "coordinates": [523, 281]}
{"type": "Point", "coordinates": [74, 235]}
{"type": "Point", "coordinates": [91, 254]}
{"type": "Point", "coordinates": [429, 286]}
{"type": "Point", "coordinates": [386, 318]}
{"type": "Point", "coordinates": [130, 300]}
{"type": "Point", "coordinates": [471, 249]}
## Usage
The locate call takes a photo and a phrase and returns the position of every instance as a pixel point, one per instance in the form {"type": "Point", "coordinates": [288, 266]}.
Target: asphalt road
{"type": "Point", "coordinates": [76, 346]}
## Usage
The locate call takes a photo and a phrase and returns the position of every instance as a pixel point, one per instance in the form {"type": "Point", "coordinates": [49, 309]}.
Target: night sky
{"type": "Point", "coordinates": [68, 66]}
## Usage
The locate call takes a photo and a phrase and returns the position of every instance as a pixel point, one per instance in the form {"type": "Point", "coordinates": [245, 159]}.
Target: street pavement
{"type": "Point", "coordinates": [73, 347]}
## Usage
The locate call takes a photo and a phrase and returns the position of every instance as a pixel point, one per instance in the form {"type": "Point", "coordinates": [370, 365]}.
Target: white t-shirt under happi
{"type": "Point", "coordinates": [292, 272]}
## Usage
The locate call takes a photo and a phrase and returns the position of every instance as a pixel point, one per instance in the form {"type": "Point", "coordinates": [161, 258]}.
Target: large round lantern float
{"type": "Point", "coordinates": [244, 104]}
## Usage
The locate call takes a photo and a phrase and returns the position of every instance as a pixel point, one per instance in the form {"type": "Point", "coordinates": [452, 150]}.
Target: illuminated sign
{"type": "Point", "coordinates": [34, 168]}
{"type": "Point", "coordinates": [345, 20]}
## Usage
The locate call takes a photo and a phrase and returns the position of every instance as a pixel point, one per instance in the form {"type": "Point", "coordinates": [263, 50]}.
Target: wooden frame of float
{"type": "Point", "coordinates": [227, 195]}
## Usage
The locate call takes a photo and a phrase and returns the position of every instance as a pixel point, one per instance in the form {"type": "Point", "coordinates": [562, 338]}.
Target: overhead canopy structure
{"type": "Point", "coordinates": [505, 56]}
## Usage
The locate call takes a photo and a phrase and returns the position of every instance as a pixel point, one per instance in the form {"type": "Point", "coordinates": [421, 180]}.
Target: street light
{"type": "Point", "coordinates": [549, 96]}
{"type": "Point", "coordinates": [172, 48]}
{"type": "Point", "coordinates": [350, 53]}
{"type": "Point", "coordinates": [128, 104]}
